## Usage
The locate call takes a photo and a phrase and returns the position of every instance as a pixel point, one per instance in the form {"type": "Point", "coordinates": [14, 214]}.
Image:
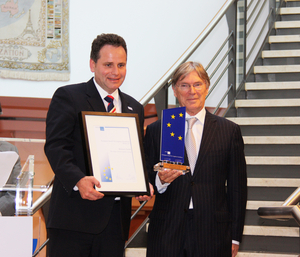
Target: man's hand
{"type": "Point", "coordinates": [168, 175]}
{"type": "Point", "coordinates": [234, 250]}
{"type": "Point", "coordinates": [142, 198]}
{"type": "Point", "coordinates": [87, 190]}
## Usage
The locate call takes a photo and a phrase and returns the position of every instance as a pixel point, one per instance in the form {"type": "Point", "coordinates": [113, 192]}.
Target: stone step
{"type": "Point", "coordinates": [141, 252]}
{"type": "Point", "coordinates": [245, 121]}
{"type": "Point", "coordinates": [276, 69]}
{"type": "Point", "coordinates": [287, 11]}
{"type": "Point", "coordinates": [254, 205]}
{"type": "Point", "coordinates": [273, 160]}
{"type": "Point", "coordinates": [267, 103]}
{"type": "Point", "coordinates": [279, 150]}
{"type": "Point", "coordinates": [284, 39]}
{"type": "Point", "coordinates": [273, 182]}
{"type": "Point", "coordinates": [280, 53]}
{"type": "Point", "coordinates": [272, 85]}
{"type": "Point", "coordinates": [135, 252]}
{"type": "Point", "coordinates": [287, 24]}
{"type": "Point", "coordinates": [258, 140]}
{"type": "Point", "coordinates": [265, 231]}
{"type": "Point", "coordinates": [253, 254]}
{"type": "Point", "coordinates": [271, 231]}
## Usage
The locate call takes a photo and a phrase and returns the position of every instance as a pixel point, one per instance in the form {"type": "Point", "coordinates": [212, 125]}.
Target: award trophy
{"type": "Point", "coordinates": [172, 141]}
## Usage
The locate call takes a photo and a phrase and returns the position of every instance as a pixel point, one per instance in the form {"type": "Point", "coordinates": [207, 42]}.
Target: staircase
{"type": "Point", "coordinates": [268, 112]}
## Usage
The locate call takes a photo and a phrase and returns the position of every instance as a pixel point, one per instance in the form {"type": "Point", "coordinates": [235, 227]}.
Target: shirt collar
{"type": "Point", "coordinates": [200, 115]}
{"type": "Point", "coordinates": [103, 93]}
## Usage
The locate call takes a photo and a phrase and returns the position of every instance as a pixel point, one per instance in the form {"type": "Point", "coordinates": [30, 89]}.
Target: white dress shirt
{"type": "Point", "coordinates": [197, 131]}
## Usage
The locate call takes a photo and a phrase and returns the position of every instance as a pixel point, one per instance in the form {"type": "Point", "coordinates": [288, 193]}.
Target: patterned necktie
{"type": "Point", "coordinates": [110, 99]}
{"type": "Point", "coordinates": [190, 144]}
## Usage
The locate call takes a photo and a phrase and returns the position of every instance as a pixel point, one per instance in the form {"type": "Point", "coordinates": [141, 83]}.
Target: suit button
{"type": "Point", "coordinates": [192, 183]}
{"type": "Point", "coordinates": [185, 210]}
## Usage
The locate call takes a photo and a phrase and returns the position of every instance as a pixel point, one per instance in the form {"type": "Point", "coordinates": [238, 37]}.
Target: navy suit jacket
{"type": "Point", "coordinates": [218, 188]}
{"type": "Point", "coordinates": [64, 150]}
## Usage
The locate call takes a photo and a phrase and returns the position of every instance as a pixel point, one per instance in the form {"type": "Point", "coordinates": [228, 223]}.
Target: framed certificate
{"type": "Point", "coordinates": [114, 152]}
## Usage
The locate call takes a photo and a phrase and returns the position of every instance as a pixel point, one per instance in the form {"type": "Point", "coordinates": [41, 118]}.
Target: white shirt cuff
{"type": "Point", "coordinates": [235, 242]}
{"type": "Point", "coordinates": [161, 188]}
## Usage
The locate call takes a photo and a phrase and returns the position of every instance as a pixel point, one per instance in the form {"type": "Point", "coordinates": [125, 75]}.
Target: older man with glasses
{"type": "Point", "coordinates": [200, 213]}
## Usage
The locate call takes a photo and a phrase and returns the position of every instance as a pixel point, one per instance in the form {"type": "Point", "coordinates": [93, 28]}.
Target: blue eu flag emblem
{"type": "Point", "coordinates": [172, 135]}
{"type": "Point", "coordinates": [106, 174]}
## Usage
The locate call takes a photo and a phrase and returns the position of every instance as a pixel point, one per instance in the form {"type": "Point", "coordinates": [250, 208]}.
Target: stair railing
{"type": "Point", "coordinates": [164, 82]}
{"type": "Point", "coordinates": [287, 211]}
{"type": "Point", "coordinates": [233, 55]}
{"type": "Point", "coordinates": [290, 209]}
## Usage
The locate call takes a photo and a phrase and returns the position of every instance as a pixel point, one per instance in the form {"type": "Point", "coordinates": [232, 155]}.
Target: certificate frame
{"type": "Point", "coordinates": [114, 152]}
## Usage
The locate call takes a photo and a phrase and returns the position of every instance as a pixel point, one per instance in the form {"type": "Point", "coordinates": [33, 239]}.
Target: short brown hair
{"type": "Point", "coordinates": [106, 39]}
{"type": "Point", "coordinates": [186, 68]}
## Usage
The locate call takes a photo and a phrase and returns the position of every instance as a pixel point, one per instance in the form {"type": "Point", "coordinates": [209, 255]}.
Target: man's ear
{"type": "Point", "coordinates": [174, 91]}
{"type": "Point", "coordinates": [92, 65]}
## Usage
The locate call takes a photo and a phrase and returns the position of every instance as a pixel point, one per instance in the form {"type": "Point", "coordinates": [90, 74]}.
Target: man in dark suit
{"type": "Point", "coordinates": [202, 212]}
{"type": "Point", "coordinates": [82, 221]}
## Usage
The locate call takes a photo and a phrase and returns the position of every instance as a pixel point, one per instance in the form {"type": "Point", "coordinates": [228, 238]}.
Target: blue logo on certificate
{"type": "Point", "coordinates": [106, 174]}
{"type": "Point", "coordinates": [172, 135]}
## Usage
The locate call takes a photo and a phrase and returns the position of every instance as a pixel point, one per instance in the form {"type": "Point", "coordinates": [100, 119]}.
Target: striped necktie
{"type": "Point", "coordinates": [110, 99]}
{"type": "Point", "coordinates": [190, 144]}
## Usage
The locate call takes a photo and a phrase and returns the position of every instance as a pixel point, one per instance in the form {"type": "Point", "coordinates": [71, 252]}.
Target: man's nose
{"type": "Point", "coordinates": [192, 89]}
{"type": "Point", "coordinates": [115, 70]}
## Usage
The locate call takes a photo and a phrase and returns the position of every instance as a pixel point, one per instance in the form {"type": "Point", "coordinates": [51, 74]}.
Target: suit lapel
{"type": "Point", "coordinates": [94, 98]}
{"type": "Point", "coordinates": [96, 101]}
{"type": "Point", "coordinates": [126, 108]}
{"type": "Point", "coordinates": [209, 131]}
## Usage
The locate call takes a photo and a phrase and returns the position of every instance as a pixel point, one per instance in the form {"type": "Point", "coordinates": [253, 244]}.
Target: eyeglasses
{"type": "Point", "coordinates": [187, 87]}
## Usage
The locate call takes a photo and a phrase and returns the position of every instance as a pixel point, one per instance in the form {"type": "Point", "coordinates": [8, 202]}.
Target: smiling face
{"type": "Point", "coordinates": [110, 68]}
{"type": "Point", "coordinates": [193, 98]}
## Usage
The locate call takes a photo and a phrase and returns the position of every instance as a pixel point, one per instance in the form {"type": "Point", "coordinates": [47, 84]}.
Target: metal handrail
{"type": "Point", "coordinates": [293, 199]}
{"type": "Point", "coordinates": [253, 11]}
{"type": "Point", "coordinates": [266, 21]}
{"type": "Point", "coordinates": [190, 50]}
{"type": "Point", "coordinates": [136, 232]}
{"type": "Point", "coordinates": [270, 29]}
{"type": "Point", "coordinates": [219, 78]}
{"type": "Point", "coordinates": [219, 50]}
{"type": "Point", "coordinates": [289, 209]}
{"type": "Point", "coordinates": [254, 22]}
{"type": "Point", "coordinates": [222, 99]}
{"type": "Point", "coordinates": [27, 140]}
{"type": "Point", "coordinates": [221, 61]}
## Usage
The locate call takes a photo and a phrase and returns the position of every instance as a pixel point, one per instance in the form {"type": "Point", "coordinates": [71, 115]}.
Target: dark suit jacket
{"type": "Point", "coordinates": [64, 150]}
{"type": "Point", "coordinates": [219, 212]}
